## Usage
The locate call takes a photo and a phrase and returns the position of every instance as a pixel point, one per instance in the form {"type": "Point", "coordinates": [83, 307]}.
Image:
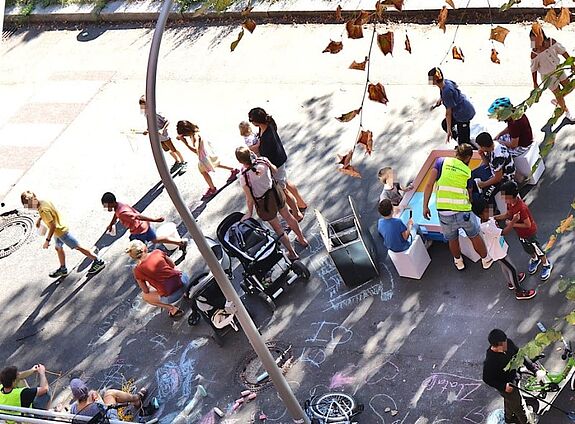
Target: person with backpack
{"type": "Point", "coordinates": [263, 193]}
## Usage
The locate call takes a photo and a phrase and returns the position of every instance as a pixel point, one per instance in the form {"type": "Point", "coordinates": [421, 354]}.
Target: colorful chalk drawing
{"type": "Point", "coordinates": [326, 336]}
{"type": "Point", "coordinates": [340, 296]}
{"type": "Point", "coordinates": [455, 387]}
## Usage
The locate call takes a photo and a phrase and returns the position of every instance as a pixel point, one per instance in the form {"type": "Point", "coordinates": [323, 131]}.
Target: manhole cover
{"type": "Point", "coordinates": [14, 232]}
{"type": "Point", "coordinates": [252, 374]}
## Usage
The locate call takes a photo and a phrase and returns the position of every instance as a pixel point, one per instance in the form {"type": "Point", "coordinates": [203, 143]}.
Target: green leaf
{"type": "Point", "coordinates": [570, 295]}
{"type": "Point", "coordinates": [547, 145]}
{"type": "Point", "coordinates": [237, 41]}
{"type": "Point", "coordinates": [573, 205]}
{"type": "Point", "coordinates": [570, 61]}
{"type": "Point", "coordinates": [504, 114]}
{"type": "Point", "coordinates": [509, 4]}
{"type": "Point", "coordinates": [571, 318]}
{"type": "Point", "coordinates": [565, 283]}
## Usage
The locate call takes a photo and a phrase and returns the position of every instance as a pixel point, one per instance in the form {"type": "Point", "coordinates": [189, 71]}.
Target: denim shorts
{"type": "Point", "coordinates": [149, 235]}
{"type": "Point", "coordinates": [68, 240]}
{"type": "Point", "coordinates": [450, 225]}
{"type": "Point", "coordinates": [175, 296]}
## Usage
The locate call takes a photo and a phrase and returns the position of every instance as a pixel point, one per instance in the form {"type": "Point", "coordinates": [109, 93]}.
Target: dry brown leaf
{"type": "Point", "coordinates": [550, 243]}
{"type": "Point", "coordinates": [495, 56]}
{"type": "Point", "coordinates": [398, 4]}
{"type": "Point", "coordinates": [333, 47]}
{"type": "Point", "coordinates": [353, 30]}
{"type": "Point", "coordinates": [247, 11]}
{"type": "Point", "coordinates": [351, 171]}
{"type": "Point", "coordinates": [457, 53]}
{"type": "Point", "coordinates": [365, 139]}
{"type": "Point", "coordinates": [363, 18]}
{"type": "Point", "coordinates": [237, 41]}
{"type": "Point", "coordinates": [385, 42]}
{"type": "Point", "coordinates": [345, 159]}
{"type": "Point", "coordinates": [359, 66]}
{"type": "Point", "coordinates": [442, 18]}
{"type": "Point", "coordinates": [338, 15]}
{"type": "Point", "coordinates": [407, 44]}
{"type": "Point", "coordinates": [250, 25]}
{"type": "Point", "coordinates": [564, 18]}
{"type": "Point", "coordinates": [548, 2]}
{"type": "Point", "coordinates": [379, 9]}
{"type": "Point", "coordinates": [377, 93]}
{"type": "Point", "coordinates": [551, 17]}
{"type": "Point", "coordinates": [450, 2]}
{"type": "Point", "coordinates": [566, 225]}
{"type": "Point", "coordinates": [346, 117]}
{"type": "Point", "coordinates": [498, 34]}
{"type": "Point", "coordinates": [538, 31]}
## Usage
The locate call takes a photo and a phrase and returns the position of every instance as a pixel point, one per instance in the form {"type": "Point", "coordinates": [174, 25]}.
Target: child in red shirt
{"type": "Point", "coordinates": [526, 229]}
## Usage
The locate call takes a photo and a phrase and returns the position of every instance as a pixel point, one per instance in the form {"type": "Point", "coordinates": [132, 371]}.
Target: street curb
{"type": "Point", "coordinates": [468, 16]}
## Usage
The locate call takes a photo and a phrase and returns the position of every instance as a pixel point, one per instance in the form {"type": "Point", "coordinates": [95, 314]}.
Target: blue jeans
{"type": "Point", "coordinates": [149, 235]}
{"type": "Point", "coordinates": [68, 240]}
{"type": "Point", "coordinates": [450, 225]}
{"type": "Point", "coordinates": [175, 296]}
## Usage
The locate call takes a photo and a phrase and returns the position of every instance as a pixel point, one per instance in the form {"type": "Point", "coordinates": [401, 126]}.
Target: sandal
{"type": "Point", "coordinates": [176, 315]}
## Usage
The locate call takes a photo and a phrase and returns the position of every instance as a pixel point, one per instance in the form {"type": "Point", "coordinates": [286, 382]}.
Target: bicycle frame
{"type": "Point", "coordinates": [551, 380]}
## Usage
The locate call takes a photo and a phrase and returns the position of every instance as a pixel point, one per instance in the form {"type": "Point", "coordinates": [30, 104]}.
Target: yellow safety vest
{"type": "Point", "coordinates": [11, 399]}
{"type": "Point", "coordinates": [452, 194]}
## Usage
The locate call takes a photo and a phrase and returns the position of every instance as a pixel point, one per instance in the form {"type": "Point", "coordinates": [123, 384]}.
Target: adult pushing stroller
{"type": "Point", "coordinates": [266, 268]}
{"type": "Point", "coordinates": [208, 301]}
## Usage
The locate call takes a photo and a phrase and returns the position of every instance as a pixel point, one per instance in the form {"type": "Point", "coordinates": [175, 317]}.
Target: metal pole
{"type": "Point", "coordinates": [250, 330]}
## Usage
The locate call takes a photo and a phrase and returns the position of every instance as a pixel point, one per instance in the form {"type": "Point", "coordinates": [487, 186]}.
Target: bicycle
{"type": "Point", "coordinates": [334, 407]}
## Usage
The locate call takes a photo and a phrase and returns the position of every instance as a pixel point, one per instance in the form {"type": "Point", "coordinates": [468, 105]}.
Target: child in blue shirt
{"type": "Point", "coordinates": [394, 232]}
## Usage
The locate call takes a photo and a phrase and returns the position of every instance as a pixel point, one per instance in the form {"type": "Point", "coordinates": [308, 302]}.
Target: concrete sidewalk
{"type": "Point", "coordinates": [418, 11]}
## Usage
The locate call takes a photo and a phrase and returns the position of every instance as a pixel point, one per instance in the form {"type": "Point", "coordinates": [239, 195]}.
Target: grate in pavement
{"type": "Point", "coordinates": [14, 232]}
{"type": "Point", "coordinates": [250, 367]}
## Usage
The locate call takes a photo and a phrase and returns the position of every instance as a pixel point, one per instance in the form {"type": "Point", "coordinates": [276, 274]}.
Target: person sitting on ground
{"type": "Point", "coordinates": [207, 160]}
{"type": "Point", "coordinates": [500, 163]}
{"type": "Point", "coordinates": [161, 283]}
{"type": "Point", "coordinates": [394, 232]}
{"type": "Point", "coordinates": [458, 109]}
{"type": "Point", "coordinates": [526, 228]}
{"type": "Point", "coordinates": [497, 248]}
{"type": "Point", "coordinates": [264, 193]}
{"type": "Point", "coordinates": [501, 350]}
{"type": "Point", "coordinates": [391, 189]}
{"type": "Point", "coordinates": [251, 139]}
{"type": "Point", "coordinates": [50, 216]}
{"type": "Point", "coordinates": [14, 390]}
{"type": "Point", "coordinates": [517, 135]}
{"type": "Point", "coordinates": [180, 165]}
{"type": "Point", "coordinates": [138, 224]}
{"type": "Point", "coordinates": [89, 402]}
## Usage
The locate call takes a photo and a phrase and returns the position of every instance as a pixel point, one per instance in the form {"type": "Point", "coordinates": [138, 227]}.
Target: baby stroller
{"type": "Point", "coordinates": [266, 268]}
{"type": "Point", "coordinates": [208, 301]}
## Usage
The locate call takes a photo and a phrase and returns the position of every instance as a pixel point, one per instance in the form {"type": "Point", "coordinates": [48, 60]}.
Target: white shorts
{"type": "Point", "coordinates": [281, 176]}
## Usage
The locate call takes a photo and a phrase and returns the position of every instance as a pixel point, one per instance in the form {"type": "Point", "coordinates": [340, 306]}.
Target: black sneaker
{"type": "Point", "coordinates": [60, 272]}
{"type": "Point", "coordinates": [175, 167]}
{"type": "Point", "coordinates": [525, 294]}
{"type": "Point", "coordinates": [97, 266]}
{"type": "Point", "coordinates": [183, 168]}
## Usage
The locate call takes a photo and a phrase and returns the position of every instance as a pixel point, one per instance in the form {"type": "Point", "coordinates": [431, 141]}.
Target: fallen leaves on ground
{"type": "Point", "coordinates": [385, 42]}
{"type": "Point", "coordinates": [359, 66]}
{"type": "Point", "coordinates": [365, 139]}
{"type": "Point", "coordinates": [338, 15]}
{"type": "Point", "coordinates": [353, 30]}
{"type": "Point", "coordinates": [499, 33]}
{"type": "Point", "coordinates": [558, 21]}
{"type": "Point", "coordinates": [237, 41]}
{"type": "Point", "coordinates": [346, 117]}
{"type": "Point", "coordinates": [407, 44]}
{"type": "Point", "coordinates": [495, 56]}
{"type": "Point", "coordinates": [442, 18]}
{"type": "Point", "coordinates": [250, 25]}
{"type": "Point", "coordinates": [457, 53]}
{"type": "Point", "coordinates": [377, 93]}
{"type": "Point", "coordinates": [333, 47]}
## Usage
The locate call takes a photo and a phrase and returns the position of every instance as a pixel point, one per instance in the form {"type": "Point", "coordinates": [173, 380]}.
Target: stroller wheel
{"type": "Point", "coordinates": [300, 269]}
{"type": "Point", "coordinates": [194, 318]}
{"type": "Point", "coordinates": [244, 287]}
{"type": "Point", "coordinates": [269, 301]}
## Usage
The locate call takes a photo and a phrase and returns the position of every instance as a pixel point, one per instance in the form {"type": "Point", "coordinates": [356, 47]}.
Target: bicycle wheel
{"type": "Point", "coordinates": [333, 407]}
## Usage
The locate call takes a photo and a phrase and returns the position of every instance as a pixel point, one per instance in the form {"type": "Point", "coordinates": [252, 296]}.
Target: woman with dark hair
{"type": "Point", "coordinates": [207, 160]}
{"type": "Point", "coordinates": [271, 147]}
{"type": "Point", "coordinates": [261, 191]}
{"type": "Point", "coordinates": [458, 109]}
{"type": "Point", "coordinates": [545, 59]}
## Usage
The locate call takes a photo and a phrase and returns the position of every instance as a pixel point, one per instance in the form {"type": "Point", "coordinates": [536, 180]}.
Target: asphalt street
{"type": "Point", "coordinates": [415, 347]}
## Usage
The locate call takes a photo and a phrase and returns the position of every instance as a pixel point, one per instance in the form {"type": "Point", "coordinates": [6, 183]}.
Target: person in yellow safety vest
{"type": "Point", "coordinates": [453, 203]}
{"type": "Point", "coordinates": [13, 395]}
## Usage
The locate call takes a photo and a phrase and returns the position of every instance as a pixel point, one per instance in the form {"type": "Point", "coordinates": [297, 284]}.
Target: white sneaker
{"type": "Point", "coordinates": [486, 262]}
{"type": "Point", "coordinates": [459, 264]}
